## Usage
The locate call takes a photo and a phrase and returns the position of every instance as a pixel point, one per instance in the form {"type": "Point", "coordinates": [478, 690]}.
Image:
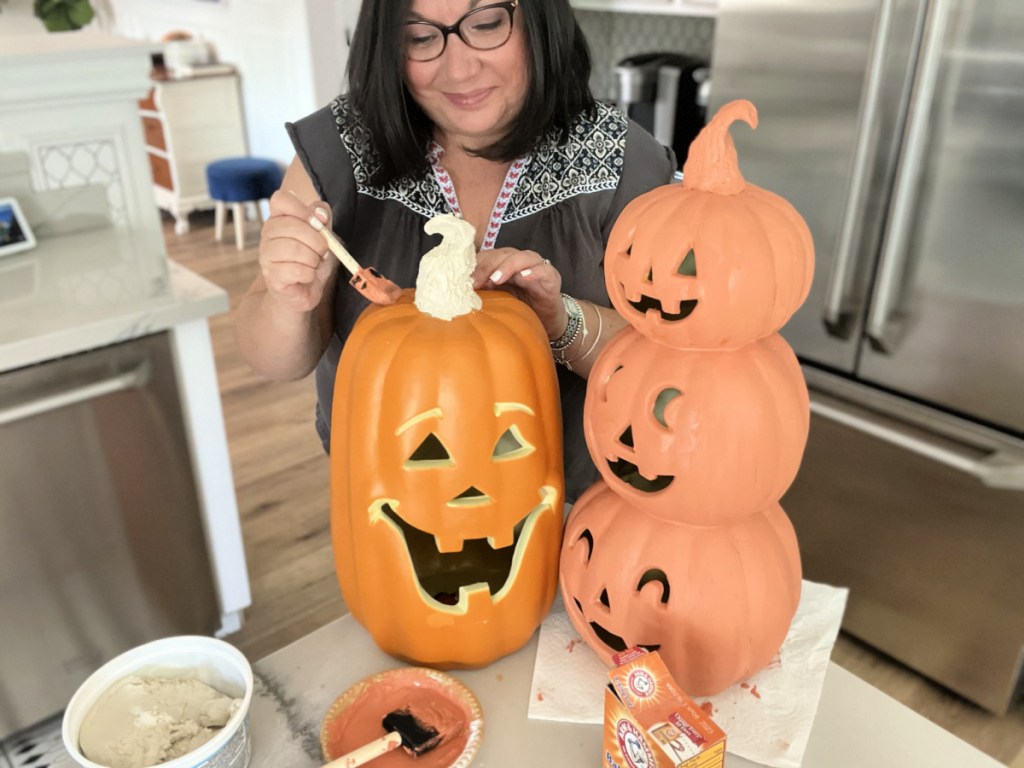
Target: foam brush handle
{"type": "Point", "coordinates": [367, 752]}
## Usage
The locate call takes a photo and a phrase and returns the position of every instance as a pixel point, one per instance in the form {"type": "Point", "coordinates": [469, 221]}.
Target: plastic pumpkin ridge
{"type": "Point", "coordinates": [446, 474]}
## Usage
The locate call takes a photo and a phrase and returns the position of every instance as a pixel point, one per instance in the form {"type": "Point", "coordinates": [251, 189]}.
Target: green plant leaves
{"type": "Point", "coordinates": [63, 15]}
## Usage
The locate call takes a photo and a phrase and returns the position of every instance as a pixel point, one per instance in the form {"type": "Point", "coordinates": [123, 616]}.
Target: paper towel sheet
{"type": "Point", "coordinates": [766, 719]}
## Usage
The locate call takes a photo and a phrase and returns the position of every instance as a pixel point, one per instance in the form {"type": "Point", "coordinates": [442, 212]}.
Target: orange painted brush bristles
{"type": "Point", "coordinates": [368, 281]}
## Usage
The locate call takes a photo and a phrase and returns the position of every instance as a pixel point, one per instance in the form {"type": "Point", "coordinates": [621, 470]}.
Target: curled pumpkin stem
{"type": "Point", "coordinates": [712, 165]}
{"type": "Point", "coordinates": [444, 285]}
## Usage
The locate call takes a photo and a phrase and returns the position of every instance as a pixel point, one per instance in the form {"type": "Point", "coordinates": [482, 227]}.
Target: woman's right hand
{"type": "Point", "coordinates": [294, 261]}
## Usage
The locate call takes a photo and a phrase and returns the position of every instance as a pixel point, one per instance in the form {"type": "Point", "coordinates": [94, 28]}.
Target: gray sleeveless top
{"type": "Point", "coordinates": [562, 205]}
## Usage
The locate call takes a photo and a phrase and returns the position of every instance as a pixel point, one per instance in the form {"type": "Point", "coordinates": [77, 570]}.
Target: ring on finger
{"type": "Point", "coordinates": [529, 270]}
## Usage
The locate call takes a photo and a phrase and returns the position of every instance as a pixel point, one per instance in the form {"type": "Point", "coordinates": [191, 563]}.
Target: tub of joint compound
{"type": "Point", "coordinates": [208, 660]}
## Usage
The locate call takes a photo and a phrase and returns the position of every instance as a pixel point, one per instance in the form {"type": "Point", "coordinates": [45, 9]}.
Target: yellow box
{"type": "Point", "coordinates": [649, 722]}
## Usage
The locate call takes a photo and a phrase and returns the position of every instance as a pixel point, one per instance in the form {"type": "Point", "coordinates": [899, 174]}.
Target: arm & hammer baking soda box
{"type": "Point", "coordinates": [650, 723]}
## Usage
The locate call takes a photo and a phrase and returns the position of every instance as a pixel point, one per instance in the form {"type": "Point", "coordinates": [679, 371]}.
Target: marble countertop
{"type": "Point", "coordinates": [856, 724]}
{"type": "Point", "coordinates": [90, 289]}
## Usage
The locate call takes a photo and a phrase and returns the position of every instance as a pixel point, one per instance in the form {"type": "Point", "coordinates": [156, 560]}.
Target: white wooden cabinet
{"type": "Point", "coordinates": [188, 124]}
{"type": "Point", "coordinates": [664, 7]}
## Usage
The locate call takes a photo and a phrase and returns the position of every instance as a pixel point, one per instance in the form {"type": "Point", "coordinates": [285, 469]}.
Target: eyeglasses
{"type": "Point", "coordinates": [482, 29]}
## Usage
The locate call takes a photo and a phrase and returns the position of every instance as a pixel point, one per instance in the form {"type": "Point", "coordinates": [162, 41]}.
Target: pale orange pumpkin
{"type": "Point", "coordinates": [715, 602]}
{"type": "Point", "coordinates": [704, 437]}
{"type": "Point", "coordinates": [446, 479]}
{"type": "Point", "coordinates": [714, 262]}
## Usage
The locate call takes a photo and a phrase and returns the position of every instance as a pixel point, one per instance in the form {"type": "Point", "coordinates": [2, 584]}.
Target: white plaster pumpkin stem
{"type": "Point", "coordinates": [444, 285]}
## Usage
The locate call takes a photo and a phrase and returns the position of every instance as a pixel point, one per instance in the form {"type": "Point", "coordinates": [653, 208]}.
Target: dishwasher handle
{"type": "Point", "coordinates": [132, 379]}
{"type": "Point", "coordinates": [999, 467]}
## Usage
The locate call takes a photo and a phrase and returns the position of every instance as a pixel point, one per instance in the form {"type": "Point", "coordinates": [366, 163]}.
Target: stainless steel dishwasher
{"type": "Point", "coordinates": [101, 539]}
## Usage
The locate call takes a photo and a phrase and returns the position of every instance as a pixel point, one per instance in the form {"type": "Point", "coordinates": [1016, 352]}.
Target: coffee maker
{"type": "Point", "coordinates": [666, 93]}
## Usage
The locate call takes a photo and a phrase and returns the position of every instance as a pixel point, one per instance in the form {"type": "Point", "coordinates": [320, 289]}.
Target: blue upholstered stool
{"type": "Point", "coordinates": [240, 181]}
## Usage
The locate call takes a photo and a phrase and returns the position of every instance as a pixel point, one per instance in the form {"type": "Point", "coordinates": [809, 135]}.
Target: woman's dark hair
{"type": "Point", "coordinates": [558, 88]}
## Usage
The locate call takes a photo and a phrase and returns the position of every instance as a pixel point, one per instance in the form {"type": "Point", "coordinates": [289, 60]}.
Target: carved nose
{"type": "Point", "coordinates": [472, 496]}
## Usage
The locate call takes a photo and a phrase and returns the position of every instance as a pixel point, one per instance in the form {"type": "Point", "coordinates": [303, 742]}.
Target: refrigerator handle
{"type": "Point", "coordinates": [885, 323]}
{"type": "Point", "coordinates": [839, 314]}
{"type": "Point", "coordinates": [132, 379]}
{"type": "Point", "coordinates": [995, 466]}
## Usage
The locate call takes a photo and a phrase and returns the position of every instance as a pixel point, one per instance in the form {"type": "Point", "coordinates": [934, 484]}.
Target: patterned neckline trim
{"type": "Point", "coordinates": [447, 187]}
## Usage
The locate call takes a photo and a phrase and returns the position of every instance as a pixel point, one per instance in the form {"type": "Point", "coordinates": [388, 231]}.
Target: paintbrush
{"type": "Point", "coordinates": [368, 281]}
{"type": "Point", "coordinates": [403, 729]}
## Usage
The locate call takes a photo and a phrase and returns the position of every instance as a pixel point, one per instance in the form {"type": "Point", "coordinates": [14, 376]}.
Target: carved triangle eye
{"type": "Point", "coordinates": [430, 453]}
{"type": "Point", "coordinates": [689, 265]}
{"type": "Point", "coordinates": [511, 445]}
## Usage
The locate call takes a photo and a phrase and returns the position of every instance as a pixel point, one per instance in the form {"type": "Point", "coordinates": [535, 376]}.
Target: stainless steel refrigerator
{"type": "Point", "coordinates": [896, 127]}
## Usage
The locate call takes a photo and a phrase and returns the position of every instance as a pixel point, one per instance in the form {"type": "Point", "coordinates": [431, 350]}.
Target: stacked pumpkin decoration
{"type": "Point", "coordinates": [446, 466]}
{"type": "Point", "coordinates": [696, 417]}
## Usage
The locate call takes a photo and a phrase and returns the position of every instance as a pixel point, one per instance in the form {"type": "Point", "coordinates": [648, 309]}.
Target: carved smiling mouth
{"type": "Point", "coordinates": [446, 578]}
{"type": "Point", "coordinates": [629, 473]}
{"type": "Point", "coordinates": [647, 302]}
{"type": "Point", "coordinates": [610, 639]}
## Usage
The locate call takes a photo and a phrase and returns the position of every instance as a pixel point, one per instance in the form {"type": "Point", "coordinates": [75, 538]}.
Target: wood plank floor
{"type": "Point", "coordinates": [281, 477]}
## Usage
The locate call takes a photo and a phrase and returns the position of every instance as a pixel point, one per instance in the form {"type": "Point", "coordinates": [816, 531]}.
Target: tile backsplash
{"type": "Point", "coordinates": [613, 36]}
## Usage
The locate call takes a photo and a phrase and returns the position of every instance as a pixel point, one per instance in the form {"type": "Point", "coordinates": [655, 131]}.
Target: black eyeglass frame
{"type": "Point", "coordinates": [456, 28]}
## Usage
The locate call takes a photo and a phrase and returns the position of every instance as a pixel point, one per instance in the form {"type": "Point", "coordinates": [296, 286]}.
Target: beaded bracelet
{"type": "Point", "coordinates": [572, 328]}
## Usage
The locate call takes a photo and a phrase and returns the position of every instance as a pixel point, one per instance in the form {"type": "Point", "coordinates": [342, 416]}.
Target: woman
{"type": "Point", "coordinates": [454, 106]}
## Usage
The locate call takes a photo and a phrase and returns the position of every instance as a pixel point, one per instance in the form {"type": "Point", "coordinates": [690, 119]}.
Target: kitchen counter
{"type": "Point", "coordinates": [85, 290]}
{"type": "Point", "coordinates": [856, 724]}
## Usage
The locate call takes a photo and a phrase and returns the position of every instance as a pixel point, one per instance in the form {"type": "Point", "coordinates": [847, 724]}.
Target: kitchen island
{"type": "Point", "coordinates": [856, 724]}
{"type": "Point", "coordinates": [117, 499]}
{"type": "Point", "coordinates": [115, 465]}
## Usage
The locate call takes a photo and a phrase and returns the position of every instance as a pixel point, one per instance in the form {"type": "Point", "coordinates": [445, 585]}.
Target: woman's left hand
{"type": "Point", "coordinates": [530, 278]}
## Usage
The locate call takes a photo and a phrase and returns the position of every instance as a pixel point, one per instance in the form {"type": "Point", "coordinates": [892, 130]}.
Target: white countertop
{"type": "Point", "coordinates": [78, 292]}
{"type": "Point", "coordinates": [73, 45]}
{"type": "Point", "coordinates": [856, 724]}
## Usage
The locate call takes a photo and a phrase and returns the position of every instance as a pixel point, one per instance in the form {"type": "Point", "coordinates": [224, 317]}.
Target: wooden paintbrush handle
{"type": "Point", "coordinates": [367, 752]}
{"type": "Point", "coordinates": [340, 251]}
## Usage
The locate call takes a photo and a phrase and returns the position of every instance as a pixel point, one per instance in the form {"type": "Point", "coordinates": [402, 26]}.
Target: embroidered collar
{"type": "Point", "coordinates": [589, 161]}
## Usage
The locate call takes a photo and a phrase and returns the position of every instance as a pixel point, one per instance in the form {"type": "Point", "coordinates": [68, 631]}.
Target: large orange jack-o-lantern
{"type": "Point", "coordinates": [714, 262]}
{"type": "Point", "coordinates": [704, 437]}
{"type": "Point", "coordinates": [715, 602]}
{"type": "Point", "coordinates": [446, 473]}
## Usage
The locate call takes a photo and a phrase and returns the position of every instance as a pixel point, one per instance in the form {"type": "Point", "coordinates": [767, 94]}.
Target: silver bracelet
{"type": "Point", "coordinates": [572, 328]}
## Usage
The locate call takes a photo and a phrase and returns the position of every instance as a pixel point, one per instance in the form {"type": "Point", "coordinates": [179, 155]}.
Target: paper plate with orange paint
{"type": "Point", "coordinates": [435, 698]}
